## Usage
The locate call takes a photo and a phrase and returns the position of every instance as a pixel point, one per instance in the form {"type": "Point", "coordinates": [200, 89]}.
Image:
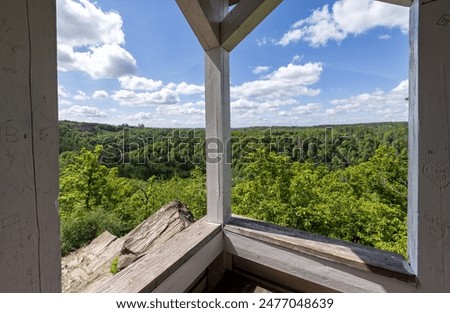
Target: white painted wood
{"type": "Point", "coordinates": [202, 18]}
{"type": "Point", "coordinates": [405, 3]}
{"type": "Point", "coordinates": [323, 272]}
{"type": "Point", "coordinates": [153, 269]}
{"type": "Point", "coordinates": [184, 276]}
{"type": "Point", "coordinates": [243, 19]}
{"type": "Point", "coordinates": [29, 227]}
{"type": "Point", "coordinates": [429, 177]}
{"type": "Point", "coordinates": [218, 135]}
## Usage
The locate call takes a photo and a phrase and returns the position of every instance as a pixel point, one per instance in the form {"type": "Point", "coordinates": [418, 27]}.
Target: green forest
{"type": "Point", "coordinates": [347, 182]}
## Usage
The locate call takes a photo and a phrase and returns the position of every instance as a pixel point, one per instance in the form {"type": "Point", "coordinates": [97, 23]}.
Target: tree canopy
{"type": "Point", "coordinates": [347, 182]}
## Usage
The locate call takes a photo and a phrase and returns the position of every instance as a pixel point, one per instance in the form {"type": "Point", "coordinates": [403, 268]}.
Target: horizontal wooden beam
{"type": "Point", "coordinates": [199, 14]}
{"type": "Point", "coordinates": [170, 261]}
{"type": "Point", "coordinates": [406, 3]}
{"type": "Point", "coordinates": [243, 19]}
{"type": "Point", "coordinates": [334, 264]}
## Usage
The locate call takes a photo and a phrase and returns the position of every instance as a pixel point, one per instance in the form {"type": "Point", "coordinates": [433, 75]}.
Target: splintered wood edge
{"type": "Point", "coordinates": [153, 269]}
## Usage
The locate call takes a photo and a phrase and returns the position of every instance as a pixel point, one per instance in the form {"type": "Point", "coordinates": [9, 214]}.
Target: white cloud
{"type": "Point", "coordinates": [307, 109]}
{"type": "Point", "coordinates": [242, 104]}
{"type": "Point", "coordinates": [259, 101]}
{"type": "Point", "coordinates": [182, 109]}
{"type": "Point", "coordinates": [384, 37]}
{"type": "Point", "coordinates": [347, 17]}
{"type": "Point", "coordinates": [81, 96]}
{"type": "Point", "coordinates": [261, 69]}
{"type": "Point", "coordinates": [287, 81]}
{"type": "Point", "coordinates": [76, 112]}
{"type": "Point", "coordinates": [64, 102]}
{"type": "Point", "coordinates": [146, 116]}
{"type": "Point", "coordinates": [184, 88]}
{"type": "Point", "coordinates": [90, 40]}
{"type": "Point", "coordinates": [106, 61]}
{"type": "Point", "coordinates": [378, 105]}
{"type": "Point", "coordinates": [100, 94]}
{"type": "Point", "coordinates": [132, 98]}
{"type": "Point", "coordinates": [82, 23]}
{"type": "Point", "coordinates": [261, 42]}
{"type": "Point", "coordinates": [64, 96]}
{"type": "Point", "coordinates": [63, 92]}
{"type": "Point", "coordinates": [131, 82]}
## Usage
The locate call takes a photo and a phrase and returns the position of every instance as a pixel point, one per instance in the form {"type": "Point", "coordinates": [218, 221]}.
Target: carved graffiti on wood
{"type": "Point", "coordinates": [438, 173]}
{"type": "Point", "coordinates": [444, 20]}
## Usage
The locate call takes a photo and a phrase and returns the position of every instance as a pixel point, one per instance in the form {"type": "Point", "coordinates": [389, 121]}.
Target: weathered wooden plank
{"type": "Point", "coordinates": [320, 271]}
{"type": "Point", "coordinates": [346, 253]}
{"type": "Point", "coordinates": [29, 227]}
{"type": "Point", "coordinates": [318, 259]}
{"type": "Point", "coordinates": [243, 19]}
{"type": "Point", "coordinates": [202, 18]}
{"type": "Point", "coordinates": [184, 276]}
{"type": "Point", "coordinates": [153, 269]}
{"type": "Point", "coordinates": [405, 3]}
{"type": "Point", "coordinates": [429, 139]}
{"type": "Point", "coordinates": [45, 139]}
{"type": "Point", "coordinates": [218, 134]}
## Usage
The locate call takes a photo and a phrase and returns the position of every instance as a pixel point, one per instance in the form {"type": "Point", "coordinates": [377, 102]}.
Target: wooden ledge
{"type": "Point", "coordinates": [153, 270]}
{"type": "Point", "coordinates": [350, 255]}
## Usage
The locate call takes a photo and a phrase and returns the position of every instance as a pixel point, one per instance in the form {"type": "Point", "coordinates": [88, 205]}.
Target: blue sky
{"type": "Point", "coordinates": [309, 63]}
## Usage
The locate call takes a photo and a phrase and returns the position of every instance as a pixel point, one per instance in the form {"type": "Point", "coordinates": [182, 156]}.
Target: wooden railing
{"type": "Point", "coordinates": [313, 262]}
{"type": "Point", "coordinates": [287, 260]}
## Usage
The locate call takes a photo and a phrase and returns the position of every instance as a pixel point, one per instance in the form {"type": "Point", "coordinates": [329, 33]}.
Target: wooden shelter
{"type": "Point", "coordinates": [286, 259]}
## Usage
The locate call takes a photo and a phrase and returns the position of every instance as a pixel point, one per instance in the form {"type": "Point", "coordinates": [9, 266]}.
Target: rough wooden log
{"type": "Point", "coordinates": [172, 267]}
{"type": "Point", "coordinates": [90, 266]}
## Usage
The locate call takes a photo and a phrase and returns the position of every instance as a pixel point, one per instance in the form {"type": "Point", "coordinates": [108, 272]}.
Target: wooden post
{"type": "Point", "coordinates": [29, 224]}
{"type": "Point", "coordinates": [429, 145]}
{"type": "Point", "coordinates": [218, 148]}
{"type": "Point", "coordinates": [219, 32]}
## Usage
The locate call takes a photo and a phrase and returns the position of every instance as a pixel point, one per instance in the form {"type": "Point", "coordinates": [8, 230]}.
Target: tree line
{"type": "Point", "coordinates": [347, 182]}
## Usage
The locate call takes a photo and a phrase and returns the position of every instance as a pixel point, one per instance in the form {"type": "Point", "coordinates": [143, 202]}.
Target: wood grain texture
{"type": "Point", "coordinates": [243, 19]}
{"type": "Point", "coordinates": [185, 275]}
{"type": "Point", "coordinates": [202, 18]}
{"type": "Point", "coordinates": [155, 268]}
{"type": "Point", "coordinates": [429, 145]}
{"type": "Point", "coordinates": [331, 263]}
{"type": "Point", "coordinates": [29, 224]}
{"type": "Point", "coordinates": [218, 135]}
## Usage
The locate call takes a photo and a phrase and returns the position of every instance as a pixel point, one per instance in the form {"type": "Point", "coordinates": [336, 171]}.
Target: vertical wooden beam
{"type": "Point", "coordinates": [429, 145]}
{"type": "Point", "coordinates": [218, 149]}
{"type": "Point", "coordinates": [29, 226]}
